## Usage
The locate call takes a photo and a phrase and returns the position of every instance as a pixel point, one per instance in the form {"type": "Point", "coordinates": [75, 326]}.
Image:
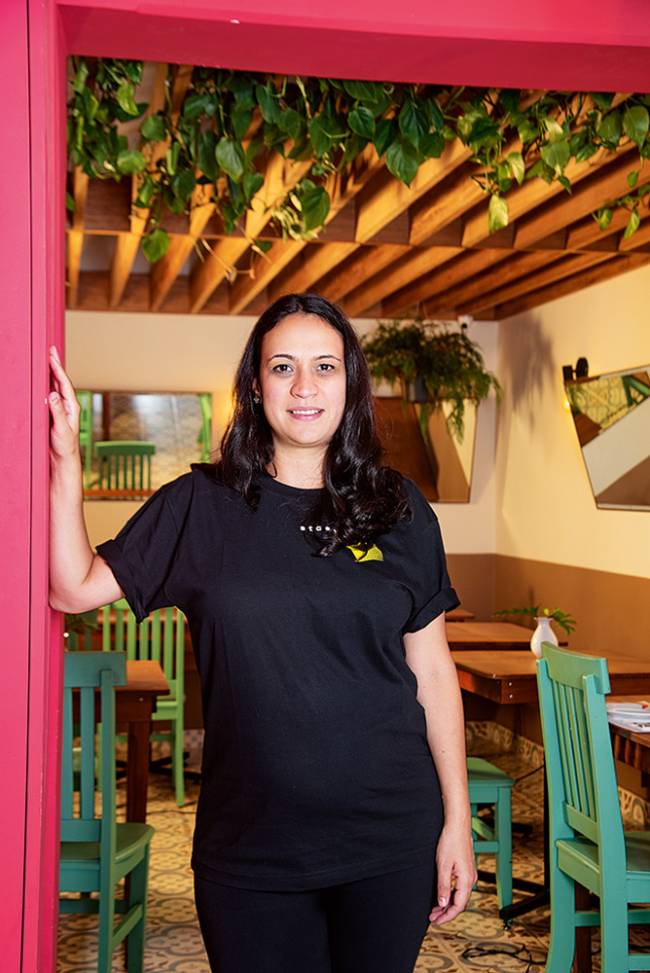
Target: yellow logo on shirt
{"type": "Point", "coordinates": [372, 554]}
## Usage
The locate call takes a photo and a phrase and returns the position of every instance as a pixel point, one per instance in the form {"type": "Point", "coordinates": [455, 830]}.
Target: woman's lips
{"type": "Point", "coordinates": [308, 416]}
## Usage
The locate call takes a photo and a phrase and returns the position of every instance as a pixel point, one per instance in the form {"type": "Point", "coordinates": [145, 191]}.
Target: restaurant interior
{"type": "Point", "coordinates": [543, 493]}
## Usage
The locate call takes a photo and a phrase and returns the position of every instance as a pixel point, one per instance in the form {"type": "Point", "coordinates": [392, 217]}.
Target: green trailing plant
{"type": "Point", "coordinates": [564, 619]}
{"type": "Point", "coordinates": [228, 119]}
{"type": "Point", "coordinates": [433, 364]}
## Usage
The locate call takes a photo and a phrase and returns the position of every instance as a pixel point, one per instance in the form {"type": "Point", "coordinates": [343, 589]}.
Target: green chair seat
{"type": "Point", "coordinates": [490, 785]}
{"type": "Point", "coordinates": [96, 852]}
{"type": "Point", "coordinates": [587, 843]}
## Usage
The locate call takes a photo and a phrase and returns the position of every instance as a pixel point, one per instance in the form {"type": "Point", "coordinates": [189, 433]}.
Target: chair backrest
{"type": "Point", "coordinates": [205, 433]}
{"type": "Point", "coordinates": [160, 637]}
{"type": "Point", "coordinates": [85, 673]}
{"type": "Point", "coordinates": [583, 795]}
{"type": "Point", "coordinates": [124, 464]}
{"type": "Point", "coordinates": [85, 400]}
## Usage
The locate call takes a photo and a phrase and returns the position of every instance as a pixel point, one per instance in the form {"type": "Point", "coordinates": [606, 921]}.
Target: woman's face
{"type": "Point", "coordinates": [302, 381]}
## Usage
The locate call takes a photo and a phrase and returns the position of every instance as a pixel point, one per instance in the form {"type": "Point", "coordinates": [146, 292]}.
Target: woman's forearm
{"type": "Point", "coordinates": [71, 555]}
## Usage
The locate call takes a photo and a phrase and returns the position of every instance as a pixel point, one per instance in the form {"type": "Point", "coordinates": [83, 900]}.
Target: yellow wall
{"type": "Point", "coordinates": [545, 509]}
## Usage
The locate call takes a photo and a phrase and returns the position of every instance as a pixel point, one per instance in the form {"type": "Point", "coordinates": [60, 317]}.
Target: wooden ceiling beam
{"type": "Point", "coordinates": [404, 270]}
{"type": "Point", "coordinates": [386, 197]}
{"type": "Point", "coordinates": [366, 262]}
{"type": "Point", "coordinates": [463, 268]}
{"type": "Point", "coordinates": [165, 271]}
{"type": "Point", "coordinates": [342, 188]}
{"type": "Point", "coordinates": [595, 192]}
{"type": "Point", "coordinates": [612, 267]}
{"type": "Point", "coordinates": [75, 234]}
{"type": "Point", "coordinates": [556, 270]}
{"type": "Point", "coordinates": [512, 269]}
{"type": "Point", "coordinates": [312, 264]}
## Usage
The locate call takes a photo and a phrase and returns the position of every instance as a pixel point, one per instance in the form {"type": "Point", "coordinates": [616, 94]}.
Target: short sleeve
{"type": "Point", "coordinates": [429, 582]}
{"type": "Point", "coordinates": [142, 556]}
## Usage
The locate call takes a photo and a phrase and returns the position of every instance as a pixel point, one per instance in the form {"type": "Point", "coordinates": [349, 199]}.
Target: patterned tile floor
{"type": "Point", "coordinates": [476, 941]}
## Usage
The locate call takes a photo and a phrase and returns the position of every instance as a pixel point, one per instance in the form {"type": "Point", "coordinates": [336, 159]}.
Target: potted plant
{"type": "Point", "coordinates": [433, 364]}
{"type": "Point", "coordinates": [543, 617]}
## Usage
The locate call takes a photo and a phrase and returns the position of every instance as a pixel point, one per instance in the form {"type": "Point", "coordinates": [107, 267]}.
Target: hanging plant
{"type": "Point", "coordinates": [229, 118]}
{"type": "Point", "coordinates": [433, 364]}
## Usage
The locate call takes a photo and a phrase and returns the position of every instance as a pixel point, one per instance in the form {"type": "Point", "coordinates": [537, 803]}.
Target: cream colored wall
{"type": "Point", "coordinates": [170, 352]}
{"type": "Point", "coordinates": [545, 509]}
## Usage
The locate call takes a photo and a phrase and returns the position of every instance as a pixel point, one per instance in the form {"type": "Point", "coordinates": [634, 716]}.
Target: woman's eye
{"type": "Point", "coordinates": [281, 368]}
{"type": "Point", "coordinates": [326, 366]}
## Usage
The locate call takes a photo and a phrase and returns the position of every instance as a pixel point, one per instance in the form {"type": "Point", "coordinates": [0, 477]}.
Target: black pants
{"type": "Point", "coordinates": [373, 925]}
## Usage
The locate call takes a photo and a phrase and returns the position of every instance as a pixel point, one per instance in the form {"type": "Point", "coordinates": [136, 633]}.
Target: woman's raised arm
{"type": "Point", "coordinates": [80, 580]}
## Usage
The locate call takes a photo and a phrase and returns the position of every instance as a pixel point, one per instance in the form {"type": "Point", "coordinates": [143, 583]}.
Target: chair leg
{"type": "Point", "coordinates": [106, 923]}
{"type": "Point", "coordinates": [503, 831]}
{"type": "Point", "coordinates": [562, 939]}
{"type": "Point", "coordinates": [138, 894]}
{"type": "Point", "coordinates": [177, 762]}
{"type": "Point", "coordinates": [614, 932]}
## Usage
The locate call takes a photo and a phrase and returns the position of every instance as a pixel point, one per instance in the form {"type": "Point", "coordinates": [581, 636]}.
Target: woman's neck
{"type": "Point", "coordinates": [304, 472]}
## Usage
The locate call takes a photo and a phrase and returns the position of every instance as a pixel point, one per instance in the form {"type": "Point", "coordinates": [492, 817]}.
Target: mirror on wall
{"type": "Point", "coordinates": [611, 414]}
{"type": "Point", "coordinates": [434, 457]}
{"type": "Point", "coordinates": [133, 442]}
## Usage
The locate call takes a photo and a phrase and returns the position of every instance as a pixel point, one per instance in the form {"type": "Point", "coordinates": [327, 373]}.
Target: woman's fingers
{"type": "Point", "coordinates": [65, 389]}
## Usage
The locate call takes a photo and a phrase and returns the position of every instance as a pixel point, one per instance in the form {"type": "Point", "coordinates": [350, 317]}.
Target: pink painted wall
{"type": "Point", "coordinates": [582, 46]}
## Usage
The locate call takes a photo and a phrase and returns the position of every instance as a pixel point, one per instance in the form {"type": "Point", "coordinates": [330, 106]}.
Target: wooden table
{"type": "Point", "coordinates": [134, 705]}
{"type": "Point", "coordinates": [488, 635]}
{"type": "Point", "coordinates": [459, 615]}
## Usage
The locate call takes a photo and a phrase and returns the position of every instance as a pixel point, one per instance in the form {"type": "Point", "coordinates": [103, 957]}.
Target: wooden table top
{"type": "Point", "coordinates": [459, 615]}
{"type": "Point", "coordinates": [509, 676]}
{"type": "Point", "coordinates": [488, 635]}
{"type": "Point", "coordinates": [144, 676]}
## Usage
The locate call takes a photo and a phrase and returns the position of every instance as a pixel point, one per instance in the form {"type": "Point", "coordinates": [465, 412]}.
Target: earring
{"type": "Point", "coordinates": [256, 399]}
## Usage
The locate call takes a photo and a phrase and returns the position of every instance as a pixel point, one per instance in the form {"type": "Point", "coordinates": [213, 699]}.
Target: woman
{"type": "Point", "coordinates": [333, 820]}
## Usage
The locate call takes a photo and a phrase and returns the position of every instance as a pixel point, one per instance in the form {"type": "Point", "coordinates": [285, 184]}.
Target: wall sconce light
{"type": "Point", "coordinates": [569, 373]}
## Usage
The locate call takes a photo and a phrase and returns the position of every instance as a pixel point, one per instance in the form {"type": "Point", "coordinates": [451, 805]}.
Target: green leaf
{"type": "Point", "coordinates": [252, 183]}
{"type": "Point", "coordinates": [632, 178]}
{"type": "Point", "coordinates": [437, 118]}
{"type": "Point", "coordinates": [263, 245]}
{"type": "Point", "coordinates": [497, 213]}
{"type": "Point", "coordinates": [183, 184]}
{"type": "Point", "coordinates": [413, 122]}
{"type": "Point", "coordinates": [198, 104]}
{"type": "Point", "coordinates": [230, 157]}
{"type": "Point", "coordinates": [554, 130]}
{"type": "Point", "coordinates": [402, 161]}
{"type": "Point", "coordinates": [155, 244]}
{"type": "Point", "coordinates": [384, 135]}
{"type": "Point", "coordinates": [610, 129]}
{"type": "Point", "coordinates": [603, 217]}
{"type": "Point", "coordinates": [633, 225]}
{"type": "Point", "coordinates": [366, 91]}
{"type": "Point", "coordinates": [171, 158]}
{"type": "Point", "coordinates": [636, 122]}
{"type": "Point", "coordinates": [602, 99]}
{"type": "Point", "coordinates": [241, 119]}
{"type": "Point", "coordinates": [268, 103]}
{"type": "Point", "coordinates": [527, 131]}
{"type": "Point", "coordinates": [318, 134]}
{"type": "Point", "coordinates": [362, 121]}
{"type": "Point", "coordinates": [291, 122]}
{"type": "Point", "coordinates": [516, 165]}
{"type": "Point", "coordinates": [206, 160]}
{"type": "Point", "coordinates": [145, 193]}
{"type": "Point", "coordinates": [565, 183]}
{"type": "Point", "coordinates": [126, 100]}
{"type": "Point", "coordinates": [432, 145]}
{"type": "Point", "coordinates": [315, 207]}
{"type": "Point", "coordinates": [69, 203]}
{"type": "Point", "coordinates": [153, 128]}
{"type": "Point", "coordinates": [80, 78]}
{"type": "Point", "coordinates": [556, 155]}
{"type": "Point", "coordinates": [130, 161]}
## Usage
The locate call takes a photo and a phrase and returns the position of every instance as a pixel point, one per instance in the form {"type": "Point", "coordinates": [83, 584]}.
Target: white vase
{"type": "Point", "coordinates": [543, 633]}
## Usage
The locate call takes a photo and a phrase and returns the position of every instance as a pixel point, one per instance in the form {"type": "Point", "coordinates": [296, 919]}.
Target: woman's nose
{"type": "Point", "coordinates": [304, 384]}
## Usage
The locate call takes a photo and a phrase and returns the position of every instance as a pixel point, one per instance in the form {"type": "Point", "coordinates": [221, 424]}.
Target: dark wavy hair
{"type": "Point", "coordinates": [361, 498]}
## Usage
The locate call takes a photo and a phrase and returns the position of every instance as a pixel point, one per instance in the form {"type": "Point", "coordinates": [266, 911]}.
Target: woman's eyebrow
{"type": "Point", "coordinates": [281, 354]}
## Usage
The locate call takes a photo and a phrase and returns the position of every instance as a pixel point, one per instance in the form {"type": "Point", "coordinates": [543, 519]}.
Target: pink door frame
{"type": "Point", "coordinates": [534, 45]}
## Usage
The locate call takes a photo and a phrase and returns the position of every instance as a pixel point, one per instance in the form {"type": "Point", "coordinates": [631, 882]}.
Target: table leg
{"type": "Point", "coordinates": [137, 771]}
{"type": "Point", "coordinates": [542, 896]}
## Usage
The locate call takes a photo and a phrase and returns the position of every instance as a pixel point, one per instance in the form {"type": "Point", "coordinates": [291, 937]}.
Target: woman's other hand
{"type": "Point", "coordinates": [64, 409]}
{"type": "Point", "coordinates": [456, 867]}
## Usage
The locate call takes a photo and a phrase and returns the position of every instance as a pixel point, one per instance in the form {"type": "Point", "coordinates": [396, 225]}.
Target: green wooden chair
{"type": "Point", "coordinates": [204, 439]}
{"type": "Point", "coordinates": [85, 400]}
{"type": "Point", "coordinates": [124, 464]}
{"type": "Point", "coordinates": [489, 785]}
{"type": "Point", "coordinates": [587, 842]}
{"type": "Point", "coordinates": [161, 637]}
{"type": "Point", "coordinates": [96, 852]}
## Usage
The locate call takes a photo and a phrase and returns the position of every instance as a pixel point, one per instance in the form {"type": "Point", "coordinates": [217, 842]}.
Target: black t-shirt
{"type": "Point", "coordinates": [316, 768]}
